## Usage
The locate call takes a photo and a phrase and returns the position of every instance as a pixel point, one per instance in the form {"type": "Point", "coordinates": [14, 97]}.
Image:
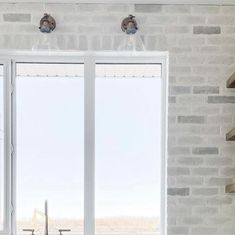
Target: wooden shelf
{"type": "Point", "coordinates": [231, 81]}
{"type": "Point", "coordinates": [230, 136]}
{"type": "Point", "coordinates": [230, 188]}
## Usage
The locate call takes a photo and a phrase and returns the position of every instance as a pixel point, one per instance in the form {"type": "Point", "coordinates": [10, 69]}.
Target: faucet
{"type": "Point", "coordinates": [46, 231]}
{"type": "Point", "coordinates": [46, 222]}
{"type": "Point", "coordinates": [29, 230]}
{"type": "Point", "coordinates": [64, 230]}
{"type": "Point", "coordinates": [46, 219]}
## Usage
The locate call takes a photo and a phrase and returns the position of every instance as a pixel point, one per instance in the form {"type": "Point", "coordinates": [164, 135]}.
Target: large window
{"type": "Point", "coordinates": [86, 143]}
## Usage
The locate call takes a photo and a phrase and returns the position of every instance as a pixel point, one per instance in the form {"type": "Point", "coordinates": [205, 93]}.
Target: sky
{"type": "Point", "coordinates": [50, 152]}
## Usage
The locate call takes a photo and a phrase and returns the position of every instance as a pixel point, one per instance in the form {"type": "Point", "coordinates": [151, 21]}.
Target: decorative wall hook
{"type": "Point", "coordinates": [47, 24]}
{"type": "Point", "coordinates": [129, 25]}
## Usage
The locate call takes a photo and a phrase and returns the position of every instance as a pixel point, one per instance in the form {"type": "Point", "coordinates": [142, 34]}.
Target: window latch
{"type": "Point", "coordinates": [12, 87]}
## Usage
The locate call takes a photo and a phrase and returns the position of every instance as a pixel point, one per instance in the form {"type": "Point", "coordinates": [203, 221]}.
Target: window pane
{"type": "Point", "coordinates": [128, 149]}
{"type": "Point", "coordinates": [1, 150]}
{"type": "Point", "coordinates": [50, 144]}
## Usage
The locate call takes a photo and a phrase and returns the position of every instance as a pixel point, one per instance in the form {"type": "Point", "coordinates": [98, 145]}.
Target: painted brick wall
{"type": "Point", "coordinates": [201, 42]}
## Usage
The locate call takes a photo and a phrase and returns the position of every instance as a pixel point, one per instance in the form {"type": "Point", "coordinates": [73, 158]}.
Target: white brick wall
{"type": "Point", "coordinates": [201, 42]}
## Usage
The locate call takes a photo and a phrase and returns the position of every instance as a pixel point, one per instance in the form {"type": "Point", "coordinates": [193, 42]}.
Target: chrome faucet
{"type": "Point", "coordinates": [29, 230]}
{"type": "Point", "coordinates": [46, 219]}
{"type": "Point", "coordinates": [64, 230]}
{"type": "Point", "coordinates": [46, 231]}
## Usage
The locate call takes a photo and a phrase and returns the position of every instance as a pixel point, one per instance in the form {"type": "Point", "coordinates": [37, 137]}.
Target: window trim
{"type": "Point", "coordinates": [89, 59]}
{"type": "Point", "coordinates": [163, 2]}
{"type": "Point", "coordinates": [7, 144]}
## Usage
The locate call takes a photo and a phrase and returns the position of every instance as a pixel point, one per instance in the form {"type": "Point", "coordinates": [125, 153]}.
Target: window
{"type": "Point", "coordinates": [88, 136]}
{"type": "Point", "coordinates": [128, 149]}
{"type": "Point", "coordinates": [49, 111]}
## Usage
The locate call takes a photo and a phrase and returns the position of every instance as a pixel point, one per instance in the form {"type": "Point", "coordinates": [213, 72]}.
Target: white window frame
{"type": "Point", "coordinates": [163, 2]}
{"type": "Point", "coordinates": [89, 59]}
{"type": "Point", "coordinates": [7, 144]}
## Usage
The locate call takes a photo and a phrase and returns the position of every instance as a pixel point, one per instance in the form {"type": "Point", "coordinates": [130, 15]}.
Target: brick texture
{"type": "Point", "coordinates": [206, 30]}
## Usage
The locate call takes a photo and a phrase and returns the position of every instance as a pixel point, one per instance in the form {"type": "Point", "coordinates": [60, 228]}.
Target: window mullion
{"type": "Point", "coordinates": [13, 148]}
{"type": "Point", "coordinates": [89, 146]}
{"type": "Point", "coordinates": [7, 146]}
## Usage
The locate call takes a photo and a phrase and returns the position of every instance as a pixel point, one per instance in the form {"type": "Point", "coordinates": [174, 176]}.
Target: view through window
{"type": "Point", "coordinates": [128, 149]}
{"type": "Point", "coordinates": [50, 148]}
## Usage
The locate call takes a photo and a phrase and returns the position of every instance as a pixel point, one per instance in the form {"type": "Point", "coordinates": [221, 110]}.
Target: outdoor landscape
{"type": "Point", "coordinates": [104, 226]}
